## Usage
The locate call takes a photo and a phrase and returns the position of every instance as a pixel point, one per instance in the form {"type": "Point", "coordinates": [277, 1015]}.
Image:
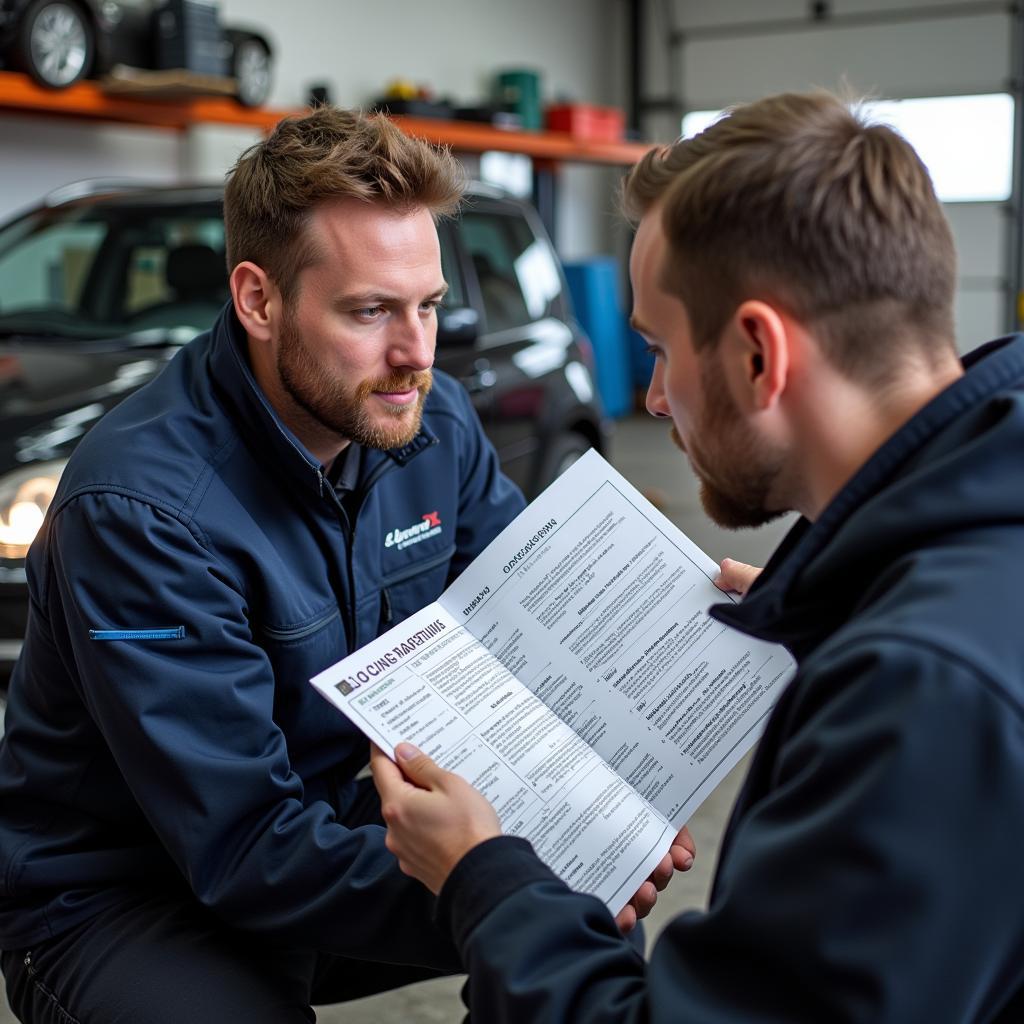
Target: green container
{"type": "Point", "coordinates": [519, 91]}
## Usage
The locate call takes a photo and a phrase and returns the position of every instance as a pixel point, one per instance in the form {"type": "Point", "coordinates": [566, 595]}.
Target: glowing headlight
{"type": "Point", "coordinates": [25, 495]}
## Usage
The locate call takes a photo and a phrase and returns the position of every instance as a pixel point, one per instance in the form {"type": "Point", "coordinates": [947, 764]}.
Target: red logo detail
{"type": "Point", "coordinates": [432, 519]}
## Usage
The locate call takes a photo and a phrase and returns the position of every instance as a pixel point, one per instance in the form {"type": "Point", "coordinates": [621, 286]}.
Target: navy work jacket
{"type": "Point", "coordinates": [195, 570]}
{"type": "Point", "coordinates": [871, 870]}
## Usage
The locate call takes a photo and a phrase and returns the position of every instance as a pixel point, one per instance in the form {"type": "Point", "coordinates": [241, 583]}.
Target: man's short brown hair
{"type": "Point", "coordinates": [327, 154]}
{"type": "Point", "coordinates": [797, 200]}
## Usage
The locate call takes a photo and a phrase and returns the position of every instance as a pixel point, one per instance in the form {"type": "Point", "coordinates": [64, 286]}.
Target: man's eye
{"type": "Point", "coordinates": [429, 305]}
{"type": "Point", "coordinates": [653, 351]}
{"type": "Point", "coordinates": [370, 312]}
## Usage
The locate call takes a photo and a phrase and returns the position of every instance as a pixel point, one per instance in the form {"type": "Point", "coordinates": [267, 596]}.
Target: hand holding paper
{"type": "Point", "coordinates": [736, 577]}
{"type": "Point", "coordinates": [679, 858]}
{"type": "Point", "coordinates": [434, 817]}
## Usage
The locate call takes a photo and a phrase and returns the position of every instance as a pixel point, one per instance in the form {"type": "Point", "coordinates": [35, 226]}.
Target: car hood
{"type": "Point", "coordinates": [52, 391]}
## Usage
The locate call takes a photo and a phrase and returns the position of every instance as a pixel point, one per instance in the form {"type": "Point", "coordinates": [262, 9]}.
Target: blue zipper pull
{"type": "Point", "coordinates": [386, 614]}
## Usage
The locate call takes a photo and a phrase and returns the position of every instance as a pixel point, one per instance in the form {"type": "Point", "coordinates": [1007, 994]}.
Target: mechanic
{"type": "Point", "coordinates": [182, 833]}
{"type": "Point", "coordinates": [794, 277]}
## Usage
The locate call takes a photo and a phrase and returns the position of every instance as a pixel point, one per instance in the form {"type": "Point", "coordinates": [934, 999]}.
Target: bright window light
{"type": "Point", "coordinates": [697, 120]}
{"type": "Point", "coordinates": [510, 171]}
{"type": "Point", "coordinates": [966, 142]}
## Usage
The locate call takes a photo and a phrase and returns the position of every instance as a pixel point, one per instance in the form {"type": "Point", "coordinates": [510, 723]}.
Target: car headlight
{"type": "Point", "coordinates": [25, 495]}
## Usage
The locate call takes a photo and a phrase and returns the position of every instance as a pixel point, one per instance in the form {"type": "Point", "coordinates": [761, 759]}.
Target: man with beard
{"type": "Point", "coordinates": [793, 275]}
{"type": "Point", "coordinates": [182, 833]}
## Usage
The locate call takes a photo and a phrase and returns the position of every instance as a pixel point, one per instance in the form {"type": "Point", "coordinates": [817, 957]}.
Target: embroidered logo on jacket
{"type": "Point", "coordinates": [430, 526]}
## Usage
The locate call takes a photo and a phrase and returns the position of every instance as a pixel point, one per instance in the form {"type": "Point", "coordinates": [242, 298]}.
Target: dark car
{"type": "Point", "coordinates": [58, 42]}
{"type": "Point", "coordinates": [100, 286]}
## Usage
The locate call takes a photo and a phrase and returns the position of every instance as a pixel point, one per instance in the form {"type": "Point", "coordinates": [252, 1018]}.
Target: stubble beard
{"type": "Point", "coordinates": [342, 410]}
{"type": "Point", "coordinates": [735, 468]}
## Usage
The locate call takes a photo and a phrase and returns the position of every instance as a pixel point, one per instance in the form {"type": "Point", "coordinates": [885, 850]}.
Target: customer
{"type": "Point", "coordinates": [793, 275]}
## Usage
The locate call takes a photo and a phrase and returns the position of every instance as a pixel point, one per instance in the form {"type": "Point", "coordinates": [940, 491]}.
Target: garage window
{"type": "Point", "coordinates": [966, 142]}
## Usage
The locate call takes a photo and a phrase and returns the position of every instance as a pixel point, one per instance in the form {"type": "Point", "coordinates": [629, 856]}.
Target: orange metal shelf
{"type": "Point", "coordinates": [18, 93]}
{"type": "Point", "coordinates": [86, 100]}
{"type": "Point", "coordinates": [554, 146]}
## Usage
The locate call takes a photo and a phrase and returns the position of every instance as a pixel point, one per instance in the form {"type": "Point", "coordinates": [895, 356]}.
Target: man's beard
{"type": "Point", "coordinates": [343, 410]}
{"type": "Point", "coordinates": [736, 469]}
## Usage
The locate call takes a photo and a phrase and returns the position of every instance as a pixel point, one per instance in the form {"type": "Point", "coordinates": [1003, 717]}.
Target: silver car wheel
{"type": "Point", "coordinates": [58, 44]}
{"type": "Point", "coordinates": [252, 72]}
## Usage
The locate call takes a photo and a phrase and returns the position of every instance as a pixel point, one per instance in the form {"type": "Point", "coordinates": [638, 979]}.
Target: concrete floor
{"type": "Point", "coordinates": [643, 453]}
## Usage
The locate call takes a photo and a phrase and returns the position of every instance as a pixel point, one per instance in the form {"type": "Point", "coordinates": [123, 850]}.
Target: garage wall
{"type": "Point", "coordinates": [941, 55]}
{"type": "Point", "coordinates": [356, 48]}
{"type": "Point", "coordinates": [577, 46]}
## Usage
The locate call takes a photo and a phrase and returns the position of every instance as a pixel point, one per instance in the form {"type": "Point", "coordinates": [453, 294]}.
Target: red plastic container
{"type": "Point", "coordinates": [585, 121]}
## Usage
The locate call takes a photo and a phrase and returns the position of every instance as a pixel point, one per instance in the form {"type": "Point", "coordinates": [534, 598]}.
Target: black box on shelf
{"type": "Point", "coordinates": [188, 35]}
{"type": "Point", "coordinates": [441, 109]}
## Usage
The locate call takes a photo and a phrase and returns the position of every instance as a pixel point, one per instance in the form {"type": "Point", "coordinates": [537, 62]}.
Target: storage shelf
{"type": "Point", "coordinates": [18, 93]}
{"type": "Point", "coordinates": [554, 146]}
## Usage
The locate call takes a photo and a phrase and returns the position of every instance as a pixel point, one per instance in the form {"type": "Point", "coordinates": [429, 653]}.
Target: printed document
{"type": "Point", "coordinates": [573, 675]}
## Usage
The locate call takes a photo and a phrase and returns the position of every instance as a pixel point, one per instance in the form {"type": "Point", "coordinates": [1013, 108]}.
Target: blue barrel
{"type": "Point", "coordinates": [594, 285]}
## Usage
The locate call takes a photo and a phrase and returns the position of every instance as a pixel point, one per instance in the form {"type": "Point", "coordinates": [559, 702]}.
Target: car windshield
{"type": "Point", "coordinates": [101, 270]}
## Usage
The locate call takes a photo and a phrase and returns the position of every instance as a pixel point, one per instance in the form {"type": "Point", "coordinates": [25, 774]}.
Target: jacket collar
{"type": "Point", "coordinates": [820, 569]}
{"type": "Point", "coordinates": [236, 387]}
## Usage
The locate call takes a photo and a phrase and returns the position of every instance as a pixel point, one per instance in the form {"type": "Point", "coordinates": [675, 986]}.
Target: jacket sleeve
{"type": "Point", "coordinates": [189, 721]}
{"type": "Point", "coordinates": [857, 886]}
{"type": "Point", "coordinates": [488, 500]}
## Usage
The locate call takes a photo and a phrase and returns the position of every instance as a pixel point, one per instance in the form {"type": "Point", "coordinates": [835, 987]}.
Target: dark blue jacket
{"type": "Point", "coordinates": [196, 754]}
{"type": "Point", "coordinates": [871, 870]}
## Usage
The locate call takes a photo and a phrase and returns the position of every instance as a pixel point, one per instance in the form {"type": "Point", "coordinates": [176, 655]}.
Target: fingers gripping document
{"type": "Point", "coordinates": [573, 675]}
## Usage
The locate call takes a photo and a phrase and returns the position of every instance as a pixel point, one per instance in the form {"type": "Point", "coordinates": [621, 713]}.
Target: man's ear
{"type": "Point", "coordinates": [256, 300]}
{"type": "Point", "coordinates": [761, 354]}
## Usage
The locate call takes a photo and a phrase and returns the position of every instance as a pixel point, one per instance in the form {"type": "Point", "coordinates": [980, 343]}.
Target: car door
{"type": "Point", "coordinates": [459, 321]}
{"type": "Point", "coordinates": [511, 277]}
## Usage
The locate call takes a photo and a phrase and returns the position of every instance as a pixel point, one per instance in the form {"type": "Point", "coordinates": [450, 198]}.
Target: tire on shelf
{"type": "Point", "coordinates": [251, 68]}
{"type": "Point", "coordinates": [55, 43]}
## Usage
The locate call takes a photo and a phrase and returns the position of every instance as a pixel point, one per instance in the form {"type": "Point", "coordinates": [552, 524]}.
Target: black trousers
{"type": "Point", "coordinates": [165, 959]}
{"type": "Point", "coordinates": [161, 960]}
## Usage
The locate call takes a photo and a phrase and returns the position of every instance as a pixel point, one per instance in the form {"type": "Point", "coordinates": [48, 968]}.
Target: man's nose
{"type": "Point", "coordinates": [412, 344]}
{"type": "Point", "coordinates": [657, 405]}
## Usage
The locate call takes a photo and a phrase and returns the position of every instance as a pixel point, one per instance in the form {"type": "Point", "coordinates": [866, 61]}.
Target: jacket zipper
{"type": "Point", "coordinates": [348, 616]}
{"type": "Point", "coordinates": [388, 464]}
{"type": "Point", "coordinates": [349, 529]}
{"type": "Point", "coordinates": [300, 631]}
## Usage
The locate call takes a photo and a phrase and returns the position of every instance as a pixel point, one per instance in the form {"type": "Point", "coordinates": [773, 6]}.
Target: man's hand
{"type": "Point", "coordinates": [434, 819]}
{"type": "Point", "coordinates": [679, 858]}
{"type": "Point", "coordinates": [736, 577]}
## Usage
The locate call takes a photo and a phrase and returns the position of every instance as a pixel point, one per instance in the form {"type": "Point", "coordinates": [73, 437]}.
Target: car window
{"type": "Point", "coordinates": [180, 262]}
{"type": "Point", "coordinates": [517, 272]}
{"type": "Point", "coordinates": [146, 282]}
{"type": "Point", "coordinates": [455, 297]}
{"type": "Point", "coordinates": [49, 269]}
{"type": "Point", "coordinates": [92, 271]}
